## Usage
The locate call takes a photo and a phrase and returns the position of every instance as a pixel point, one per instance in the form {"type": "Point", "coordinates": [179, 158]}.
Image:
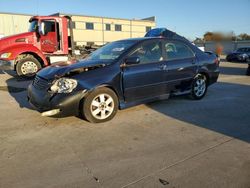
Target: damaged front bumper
{"type": "Point", "coordinates": [56, 105]}
{"type": "Point", "coordinates": [6, 65]}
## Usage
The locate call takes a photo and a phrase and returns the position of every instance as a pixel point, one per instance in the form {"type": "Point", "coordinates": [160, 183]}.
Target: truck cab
{"type": "Point", "coordinates": [46, 41]}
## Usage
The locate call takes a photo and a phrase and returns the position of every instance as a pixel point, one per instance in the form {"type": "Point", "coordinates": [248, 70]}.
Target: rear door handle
{"type": "Point", "coordinates": [163, 67]}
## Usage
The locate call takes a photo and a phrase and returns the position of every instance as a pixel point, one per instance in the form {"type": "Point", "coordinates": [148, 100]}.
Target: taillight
{"type": "Point", "coordinates": [217, 61]}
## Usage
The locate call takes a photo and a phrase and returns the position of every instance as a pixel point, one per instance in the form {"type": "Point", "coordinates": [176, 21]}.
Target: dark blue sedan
{"type": "Point", "coordinates": [240, 55]}
{"type": "Point", "coordinates": [123, 74]}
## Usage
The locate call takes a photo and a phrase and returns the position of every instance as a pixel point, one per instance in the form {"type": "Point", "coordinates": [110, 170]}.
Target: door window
{"type": "Point", "coordinates": [148, 52]}
{"type": "Point", "coordinates": [49, 26]}
{"type": "Point", "coordinates": [177, 50]}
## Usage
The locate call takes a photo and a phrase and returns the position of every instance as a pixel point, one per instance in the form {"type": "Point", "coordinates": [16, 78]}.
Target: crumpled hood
{"type": "Point", "coordinates": [6, 42]}
{"type": "Point", "coordinates": [62, 68]}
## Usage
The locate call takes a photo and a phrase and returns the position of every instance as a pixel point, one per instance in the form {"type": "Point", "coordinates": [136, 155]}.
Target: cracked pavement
{"type": "Point", "coordinates": [171, 143]}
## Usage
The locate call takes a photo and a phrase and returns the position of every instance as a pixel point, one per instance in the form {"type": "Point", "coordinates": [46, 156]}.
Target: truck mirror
{"type": "Point", "coordinates": [42, 30]}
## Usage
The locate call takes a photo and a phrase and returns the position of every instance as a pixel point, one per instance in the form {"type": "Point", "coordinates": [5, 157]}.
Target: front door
{"type": "Point", "coordinates": [146, 79]}
{"type": "Point", "coordinates": [49, 42]}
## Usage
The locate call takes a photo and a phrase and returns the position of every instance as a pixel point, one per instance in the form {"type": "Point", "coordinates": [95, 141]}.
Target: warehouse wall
{"type": "Point", "coordinates": [99, 35]}
{"type": "Point", "coordinates": [11, 24]}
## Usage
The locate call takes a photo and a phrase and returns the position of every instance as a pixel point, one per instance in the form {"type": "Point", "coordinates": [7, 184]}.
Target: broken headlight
{"type": "Point", "coordinates": [63, 85]}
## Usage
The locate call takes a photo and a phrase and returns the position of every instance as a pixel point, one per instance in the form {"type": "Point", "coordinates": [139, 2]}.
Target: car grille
{"type": "Point", "coordinates": [40, 83]}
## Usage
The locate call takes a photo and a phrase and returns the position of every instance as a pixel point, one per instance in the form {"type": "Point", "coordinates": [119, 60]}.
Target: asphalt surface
{"type": "Point", "coordinates": [173, 143]}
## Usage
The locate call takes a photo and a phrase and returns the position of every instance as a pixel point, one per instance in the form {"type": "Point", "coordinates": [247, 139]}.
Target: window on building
{"type": "Point", "coordinates": [108, 27]}
{"type": "Point", "coordinates": [89, 26]}
{"type": "Point", "coordinates": [118, 27]}
{"type": "Point", "coordinates": [148, 28]}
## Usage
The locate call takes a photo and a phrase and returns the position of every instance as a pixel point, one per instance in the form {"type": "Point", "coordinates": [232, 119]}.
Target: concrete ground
{"type": "Point", "coordinates": [171, 143]}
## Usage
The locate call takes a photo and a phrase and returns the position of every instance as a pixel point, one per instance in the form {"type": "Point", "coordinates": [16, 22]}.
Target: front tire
{"type": "Point", "coordinates": [100, 105]}
{"type": "Point", "coordinates": [199, 87]}
{"type": "Point", "coordinates": [27, 67]}
{"type": "Point", "coordinates": [228, 60]}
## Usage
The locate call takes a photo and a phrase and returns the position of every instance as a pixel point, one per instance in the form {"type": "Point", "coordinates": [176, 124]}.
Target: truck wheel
{"type": "Point", "coordinates": [100, 105]}
{"type": "Point", "coordinates": [199, 87]}
{"type": "Point", "coordinates": [28, 66]}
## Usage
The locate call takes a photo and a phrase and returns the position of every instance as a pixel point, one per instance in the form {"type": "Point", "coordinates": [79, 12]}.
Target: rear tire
{"type": "Point", "coordinates": [28, 67]}
{"type": "Point", "coordinates": [100, 105]}
{"type": "Point", "coordinates": [199, 87]}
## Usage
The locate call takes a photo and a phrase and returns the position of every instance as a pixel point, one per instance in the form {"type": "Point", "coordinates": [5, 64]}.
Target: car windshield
{"type": "Point", "coordinates": [111, 51]}
{"type": "Point", "coordinates": [33, 26]}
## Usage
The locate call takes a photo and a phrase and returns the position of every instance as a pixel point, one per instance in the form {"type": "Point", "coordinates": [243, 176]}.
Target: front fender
{"type": "Point", "coordinates": [16, 50]}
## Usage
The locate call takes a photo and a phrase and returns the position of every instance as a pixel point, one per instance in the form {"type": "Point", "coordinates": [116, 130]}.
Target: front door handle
{"type": "Point", "coordinates": [163, 67]}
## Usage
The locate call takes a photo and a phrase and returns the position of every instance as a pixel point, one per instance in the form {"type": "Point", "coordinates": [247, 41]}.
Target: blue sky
{"type": "Point", "coordinates": [191, 18]}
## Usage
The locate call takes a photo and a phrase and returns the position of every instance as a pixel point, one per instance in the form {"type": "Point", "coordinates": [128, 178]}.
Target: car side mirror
{"type": "Point", "coordinates": [132, 60]}
{"type": "Point", "coordinates": [42, 29]}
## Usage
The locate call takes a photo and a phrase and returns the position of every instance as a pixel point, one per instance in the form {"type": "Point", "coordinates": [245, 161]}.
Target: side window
{"type": "Point", "coordinates": [89, 26]}
{"type": "Point", "coordinates": [148, 52]}
{"type": "Point", "coordinates": [148, 28]}
{"type": "Point", "coordinates": [118, 27]}
{"type": "Point", "coordinates": [177, 50]}
{"type": "Point", "coordinates": [108, 27]}
{"type": "Point", "coordinates": [50, 26]}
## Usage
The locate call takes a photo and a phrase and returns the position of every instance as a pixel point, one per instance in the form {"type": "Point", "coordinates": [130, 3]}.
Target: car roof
{"type": "Point", "coordinates": [139, 39]}
{"type": "Point", "coordinates": [149, 38]}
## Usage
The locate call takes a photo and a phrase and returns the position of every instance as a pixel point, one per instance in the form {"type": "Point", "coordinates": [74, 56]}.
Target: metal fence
{"type": "Point", "coordinates": [228, 47]}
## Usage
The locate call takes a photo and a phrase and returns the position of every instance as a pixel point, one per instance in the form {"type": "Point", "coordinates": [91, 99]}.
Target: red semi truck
{"type": "Point", "coordinates": [49, 39]}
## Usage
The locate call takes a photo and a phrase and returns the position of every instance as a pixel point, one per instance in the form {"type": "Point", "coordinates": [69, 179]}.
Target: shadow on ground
{"type": "Point", "coordinates": [17, 87]}
{"type": "Point", "coordinates": [223, 110]}
{"type": "Point", "coordinates": [233, 70]}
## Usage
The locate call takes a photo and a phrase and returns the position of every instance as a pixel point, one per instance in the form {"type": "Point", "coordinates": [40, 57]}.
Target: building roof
{"type": "Point", "coordinates": [149, 19]}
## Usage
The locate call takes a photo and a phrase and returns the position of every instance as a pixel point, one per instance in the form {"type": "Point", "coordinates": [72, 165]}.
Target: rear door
{"type": "Point", "coordinates": [181, 63]}
{"type": "Point", "coordinates": [146, 79]}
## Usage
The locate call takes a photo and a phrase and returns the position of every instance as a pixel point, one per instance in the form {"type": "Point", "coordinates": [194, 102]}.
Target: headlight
{"type": "Point", "coordinates": [63, 85]}
{"type": "Point", "coordinates": [243, 56]}
{"type": "Point", "coordinates": [5, 55]}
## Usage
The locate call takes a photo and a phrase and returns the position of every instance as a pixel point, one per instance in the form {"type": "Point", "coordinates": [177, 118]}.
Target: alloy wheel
{"type": "Point", "coordinates": [102, 106]}
{"type": "Point", "coordinates": [200, 87]}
